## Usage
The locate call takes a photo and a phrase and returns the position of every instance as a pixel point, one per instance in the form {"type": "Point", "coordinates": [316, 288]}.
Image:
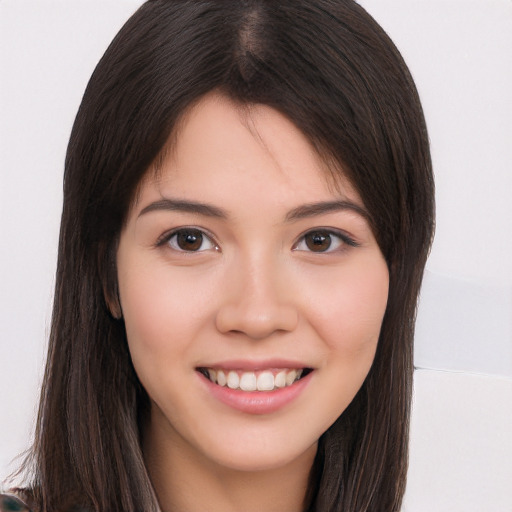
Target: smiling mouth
{"type": "Point", "coordinates": [265, 380]}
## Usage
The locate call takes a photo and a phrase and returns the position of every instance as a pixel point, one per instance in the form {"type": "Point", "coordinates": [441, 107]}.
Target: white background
{"type": "Point", "coordinates": [460, 53]}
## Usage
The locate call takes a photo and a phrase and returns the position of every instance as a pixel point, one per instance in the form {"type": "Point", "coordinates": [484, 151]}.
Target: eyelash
{"type": "Point", "coordinates": [166, 238]}
{"type": "Point", "coordinates": [343, 240]}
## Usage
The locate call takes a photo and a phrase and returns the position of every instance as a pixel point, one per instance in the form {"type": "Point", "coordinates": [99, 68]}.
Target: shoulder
{"type": "Point", "coordinates": [12, 503]}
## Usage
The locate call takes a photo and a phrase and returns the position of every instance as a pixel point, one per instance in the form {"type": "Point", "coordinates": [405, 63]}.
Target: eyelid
{"type": "Point", "coordinates": [165, 237]}
{"type": "Point", "coordinates": [346, 239]}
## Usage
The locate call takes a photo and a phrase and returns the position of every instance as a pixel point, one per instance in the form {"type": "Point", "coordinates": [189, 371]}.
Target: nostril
{"type": "Point", "coordinates": [256, 320]}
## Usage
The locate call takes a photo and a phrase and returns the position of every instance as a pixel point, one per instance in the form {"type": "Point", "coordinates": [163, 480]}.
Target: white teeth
{"type": "Point", "coordinates": [290, 377]}
{"type": "Point", "coordinates": [233, 380]}
{"type": "Point", "coordinates": [249, 381]}
{"type": "Point", "coordinates": [280, 380]}
{"type": "Point", "coordinates": [265, 381]}
{"type": "Point", "coordinates": [221, 378]}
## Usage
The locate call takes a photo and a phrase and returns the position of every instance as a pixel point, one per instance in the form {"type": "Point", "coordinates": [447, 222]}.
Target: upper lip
{"type": "Point", "coordinates": [255, 365]}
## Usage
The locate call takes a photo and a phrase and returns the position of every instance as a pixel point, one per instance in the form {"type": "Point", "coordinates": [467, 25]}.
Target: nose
{"type": "Point", "coordinates": [256, 301]}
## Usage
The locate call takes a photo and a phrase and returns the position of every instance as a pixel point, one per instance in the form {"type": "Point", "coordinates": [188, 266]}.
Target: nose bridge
{"type": "Point", "coordinates": [257, 301]}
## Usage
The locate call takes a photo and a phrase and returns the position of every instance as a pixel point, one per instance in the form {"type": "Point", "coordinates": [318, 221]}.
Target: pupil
{"type": "Point", "coordinates": [190, 240]}
{"type": "Point", "coordinates": [318, 242]}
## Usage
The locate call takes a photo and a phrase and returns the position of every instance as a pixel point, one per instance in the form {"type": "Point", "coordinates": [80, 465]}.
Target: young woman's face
{"type": "Point", "coordinates": [240, 267]}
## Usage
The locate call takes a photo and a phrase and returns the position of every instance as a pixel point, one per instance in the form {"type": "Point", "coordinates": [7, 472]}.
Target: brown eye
{"type": "Point", "coordinates": [324, 241]}
{"type": "Point", "coordinates": [318, 241]}
{"type": "Point", "coordinates": [190, 240]}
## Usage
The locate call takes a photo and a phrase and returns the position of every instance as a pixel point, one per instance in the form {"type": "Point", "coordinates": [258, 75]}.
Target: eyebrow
{"type": "Point", "coordinates": [314, 209]}
{"type": "Point", "coordinates": [208, 210]}
{"type": "Point", "coordinates": [181, 205]}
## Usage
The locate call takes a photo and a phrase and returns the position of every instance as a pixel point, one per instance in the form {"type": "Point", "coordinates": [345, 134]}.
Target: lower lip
{"type": "Point", "coordinates": [257, 402]}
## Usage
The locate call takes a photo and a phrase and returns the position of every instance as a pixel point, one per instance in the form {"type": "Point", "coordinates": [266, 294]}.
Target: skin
{"type": "Point", "coordinates": [254, 291]}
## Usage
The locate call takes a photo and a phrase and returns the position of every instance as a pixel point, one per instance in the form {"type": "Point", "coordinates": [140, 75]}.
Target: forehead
{"type": "Point", "coordinates": [219, 143]}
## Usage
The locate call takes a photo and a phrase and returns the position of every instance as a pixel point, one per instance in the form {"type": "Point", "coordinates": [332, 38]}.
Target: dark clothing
{"type": "Point", "coordinates": [10, 503]}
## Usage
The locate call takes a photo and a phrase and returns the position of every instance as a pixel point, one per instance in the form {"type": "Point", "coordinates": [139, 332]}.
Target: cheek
{"type": "Point", "coordinates": [347, 316]}
{"type": "Point", "coordinates": [163, 315]}
{"type": "Point", "coordinates": [166, 311]}
{"type": "Point", "coordinates": [347, 311]}
{"type": "Point", "coordinates": [162, 310]}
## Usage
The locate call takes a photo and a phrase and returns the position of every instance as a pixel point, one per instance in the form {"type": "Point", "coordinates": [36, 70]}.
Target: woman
{"type": "Point", "coordinates": [248, 208]}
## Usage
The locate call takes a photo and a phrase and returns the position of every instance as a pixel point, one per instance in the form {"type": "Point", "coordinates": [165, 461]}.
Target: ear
{"type": "Point", "coordinates": [108, 274]}
{"type": "Point", "coordinates": [113, 302]}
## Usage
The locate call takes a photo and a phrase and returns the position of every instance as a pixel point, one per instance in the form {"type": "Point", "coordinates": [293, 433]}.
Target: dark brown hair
{"type": "Point", "coordinates": [328, 67]}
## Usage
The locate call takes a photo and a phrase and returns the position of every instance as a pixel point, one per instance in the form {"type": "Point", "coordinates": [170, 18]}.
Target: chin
{"type": "Point", "coordinates": [259, 458]}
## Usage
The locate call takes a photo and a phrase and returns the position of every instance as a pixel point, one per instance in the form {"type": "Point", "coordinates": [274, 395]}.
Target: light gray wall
{"type": "Point", "coordinates": [460, 53]}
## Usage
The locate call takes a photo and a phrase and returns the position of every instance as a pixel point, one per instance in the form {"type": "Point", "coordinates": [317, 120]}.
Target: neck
{"type": "Point", "coordinates": [187, 481]}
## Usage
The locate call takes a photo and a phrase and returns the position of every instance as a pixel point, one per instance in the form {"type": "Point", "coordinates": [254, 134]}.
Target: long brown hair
{"type": "Point", "coordinates": [328, 67]}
